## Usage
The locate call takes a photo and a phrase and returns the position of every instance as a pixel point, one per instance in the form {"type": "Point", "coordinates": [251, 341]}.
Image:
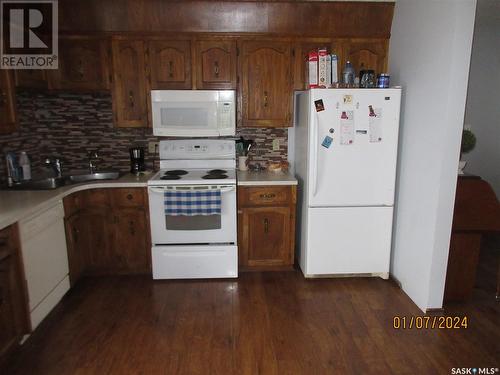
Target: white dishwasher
{"type": "Point", "coordinates": [43, 244]}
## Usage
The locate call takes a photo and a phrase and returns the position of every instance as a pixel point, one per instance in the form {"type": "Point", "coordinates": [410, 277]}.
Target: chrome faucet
{"type": "Point", "coordinates": [93, 161]}
{"type": "Point", "coordinates": [55, 164]}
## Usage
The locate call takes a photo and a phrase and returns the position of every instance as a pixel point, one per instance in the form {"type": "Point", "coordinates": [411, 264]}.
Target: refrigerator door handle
{"type": "Point", "coordinates": [314, 156]}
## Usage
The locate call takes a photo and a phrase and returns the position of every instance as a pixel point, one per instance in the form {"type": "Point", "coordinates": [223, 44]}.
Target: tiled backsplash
{"type": "Point", "coordinates": [69, 125]}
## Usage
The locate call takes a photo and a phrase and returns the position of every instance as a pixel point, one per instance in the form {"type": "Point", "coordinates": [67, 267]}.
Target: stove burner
{"type": "Point", "coordinates": [170, 177]}
{"type": "Point", "coordinates": [214, 176]}
{"type": "Point", "coordinates": [217, 171]}
{"type": "Point", "coordinates": [176, 172]}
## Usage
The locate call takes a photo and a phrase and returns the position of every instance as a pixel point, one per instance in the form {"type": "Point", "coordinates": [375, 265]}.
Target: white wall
{"type": "Point", "coordinates": [483, 105]}
{"type": "Point", "coordinates": [429, 56]}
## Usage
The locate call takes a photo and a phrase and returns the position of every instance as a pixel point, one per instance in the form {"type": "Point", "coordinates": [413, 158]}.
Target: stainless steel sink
{"type": "Point", "coordinates": [105, 175]}
{"type": "Point", "coordinates": [40, 184]}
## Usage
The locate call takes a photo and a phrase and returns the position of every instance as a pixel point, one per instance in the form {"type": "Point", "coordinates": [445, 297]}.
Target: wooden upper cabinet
{"type": "Point", "coordinates": [266, 84]}
{"type": "Point", "coordinates": [367, 54]}
{"type": "Point", "coordinates": [31, 78]}
{"type": "Point", "coordinates": [170, 64]}
{"type": "Point", "coordinates": [130, 86]}
{"type": "Point", "coordinates": [301, 52]}
{"type": "Point", "coordinates": [83, 64]}
{"type": "Point", "coordinates": [215, 64]}
{"type": "Point", "coordinates": [8, 116]}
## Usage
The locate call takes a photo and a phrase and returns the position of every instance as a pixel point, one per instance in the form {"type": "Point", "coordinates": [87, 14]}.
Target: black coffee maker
{"type": "Point", "coordinates": [137, 160]}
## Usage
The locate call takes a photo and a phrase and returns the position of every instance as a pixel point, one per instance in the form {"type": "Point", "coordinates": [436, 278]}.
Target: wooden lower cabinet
{"type": "Point", "coordinates": [266, 227]}
{"type": "Point", "coordinates": [77, 239]}
{"type": "Point", "coordinates": [108, 233]}
{"type": "Point", "coordinates": [14, 322]}
{"type": "Point", "coordinates": [129, 235]}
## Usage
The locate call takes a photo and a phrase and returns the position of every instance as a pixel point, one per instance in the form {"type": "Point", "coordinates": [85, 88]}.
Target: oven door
{"type": "Point", "coordinates": [166, 229]}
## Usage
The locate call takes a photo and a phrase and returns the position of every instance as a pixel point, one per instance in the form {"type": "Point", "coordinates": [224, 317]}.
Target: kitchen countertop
{"type": "Point", "coordinates": [16, 205]}
{"type": "Point", "coordinates": [248, 178]}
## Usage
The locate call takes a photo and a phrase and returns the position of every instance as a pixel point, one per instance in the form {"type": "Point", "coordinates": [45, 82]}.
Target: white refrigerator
{"type": "Point", "coordinates": [345, 152]}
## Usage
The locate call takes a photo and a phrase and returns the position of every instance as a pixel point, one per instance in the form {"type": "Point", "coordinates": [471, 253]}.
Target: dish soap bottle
{"type": "Point", "coordinates": [24, 163]}
{"type": "Point", "coordinates": [348, 75]}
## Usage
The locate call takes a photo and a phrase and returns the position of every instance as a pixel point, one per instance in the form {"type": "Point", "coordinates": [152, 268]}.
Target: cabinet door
{"type": "Point", "coordinates": [77, 238]}
{"type": "Point", "coordinates": [301, 53]}
{"type": "Point", "coordinates": [130, 240]}
{"type": "Point", "coordinates": [367, 54]}
{"type": "Point", "coordinates": [100, 256]}
{"type": "Point", "coordinates": [8, 118]}
{"type": "Point", "coordinates": [8, 334]}
{"type": "Point", "coordinates": [215, 64]}
{"type": "Point", "coordinates": [266, 236]}
{"type": "Point", "coordinates": [170, 64]}
{"type": "Point", "coordinates": [129, 83]}
{"type": "Point", "coordinates": [83, 64]}
{"type": "Point", "coordinates": [31, 78]}
{"type": "Point", "coordinates": [266, 85]}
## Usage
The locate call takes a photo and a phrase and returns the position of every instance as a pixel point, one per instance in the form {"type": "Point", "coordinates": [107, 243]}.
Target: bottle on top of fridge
{"type": "Point", "coordinates": [348, 75]}
{"type": "Point", "coordinates": [24, 163]}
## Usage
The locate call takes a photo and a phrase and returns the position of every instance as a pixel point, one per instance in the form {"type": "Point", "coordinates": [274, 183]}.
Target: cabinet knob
{"type": "Point", "coordinates": [216, 69]}
{"type": "Point", "coordinates": [131, 98]}
{"type": "Point", "coordinates": [266, 99]}
{"type": "Point", "coordinates": [171, 69]}
{"type": "Point", "coordinates": [130, 197]}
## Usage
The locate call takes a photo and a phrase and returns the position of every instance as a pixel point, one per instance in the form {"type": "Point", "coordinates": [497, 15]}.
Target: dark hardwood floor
{"type": "Point", "coordinates": [262, 323]}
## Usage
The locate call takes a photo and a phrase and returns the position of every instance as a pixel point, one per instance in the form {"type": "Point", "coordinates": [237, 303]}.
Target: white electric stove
{"type": "Point", "coordinates": [194, 246]}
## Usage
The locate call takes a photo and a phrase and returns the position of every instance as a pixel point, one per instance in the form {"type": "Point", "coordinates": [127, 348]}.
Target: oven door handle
{"type": "Point", "coordinates": [223, 189]}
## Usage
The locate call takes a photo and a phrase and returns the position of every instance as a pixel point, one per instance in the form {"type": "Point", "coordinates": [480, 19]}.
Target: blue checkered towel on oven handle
{"type": "Point", "coordinates": [192, 202]}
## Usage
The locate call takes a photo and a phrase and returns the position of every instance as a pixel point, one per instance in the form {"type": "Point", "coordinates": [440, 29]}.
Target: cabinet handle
{"type": "Point", "coordinates": [131, 228]}
{"type": "Point", "coordinates": [131, 98]}
{"type": "Point", "coordinates": [216, 69]}
{"type": "Point", "coordinates": [171, 69]}
{"type": "Point", "coordinates": [266, 225]}
{"type": "Point", "coordinates": [75, 235]}
{"type": "Point", "coordinates": [266, 99]}
{"type": "Point", "coordinates": [130, 197]}
{"type": "Point", "coordinates": [80, 68]}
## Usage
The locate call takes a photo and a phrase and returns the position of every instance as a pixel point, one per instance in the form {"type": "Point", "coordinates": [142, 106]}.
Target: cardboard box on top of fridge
{"type": "Point", "coordinates": [322, 67]}
{"type": "Point", "coordinates": [334, 71]}
{"type": "Point", "coordinates": [312, 69]}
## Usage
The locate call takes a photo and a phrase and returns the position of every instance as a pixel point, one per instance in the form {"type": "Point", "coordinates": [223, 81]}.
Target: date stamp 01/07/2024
{"type": "Point", "coordinates": [430, 322]}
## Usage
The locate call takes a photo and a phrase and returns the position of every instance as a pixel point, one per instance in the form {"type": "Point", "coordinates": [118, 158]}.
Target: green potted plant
{"type": "Point", "coordinates": [468, 144]}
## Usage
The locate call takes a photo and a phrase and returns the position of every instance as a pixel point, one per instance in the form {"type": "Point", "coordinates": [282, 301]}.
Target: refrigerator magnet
{"type": "Point", "coordinates": [375, 124]}
{"type": "Point", "coordinates": [319, 105]}
{"type": "Point", "coordinates": [327, 141]}
{"type": "Point", "coordinates": [347, 128]}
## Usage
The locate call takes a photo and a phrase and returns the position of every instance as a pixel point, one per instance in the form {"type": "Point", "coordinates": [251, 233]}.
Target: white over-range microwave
{"type": "Point", "coordinates": [193, 113]}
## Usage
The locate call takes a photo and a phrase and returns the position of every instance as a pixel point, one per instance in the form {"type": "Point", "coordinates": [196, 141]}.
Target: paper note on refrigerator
{"type": "Point", "coordinates": [347, 128]}
{"type": "Point", "coordinates": [375, 124]}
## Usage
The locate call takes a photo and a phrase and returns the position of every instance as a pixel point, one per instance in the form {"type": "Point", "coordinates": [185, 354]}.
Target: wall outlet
{"type": "Point", "coordinates": [276, 144]}
{"type": "Point", "coordinates": [152, 147]}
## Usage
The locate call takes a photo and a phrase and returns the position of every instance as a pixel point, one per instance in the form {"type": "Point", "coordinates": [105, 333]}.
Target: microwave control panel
{"type": "Point", "coordinates": [225, 113]}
